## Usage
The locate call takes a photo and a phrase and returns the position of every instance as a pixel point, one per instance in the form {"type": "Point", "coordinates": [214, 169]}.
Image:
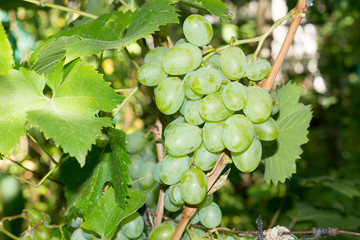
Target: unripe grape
{"type": "Point", "coordinates": [192, 112]}
{"type": "Point", "coordinates": [204, 159]}
{"type": "Point", "coordinates": [238, 133]}
{"type": "Point", "coordinates": [248, 160]}
{"type": "Point", "coordinates": [169, 95]}
{"type": "Point", "coordinates": [155, 55]}
{"type": "Point", "coordinates": [233, 63]}
{"type": "Point", "coordinates": [163, 231]}
{"type": "Point", "coordinates": [213, 108]}
{"type": "Point", "coordinates": [210, 216]}
{"type": "Point", "coordinates": [267, 131]}
{"type": "Point", "coordinates": [172, 168]}
{"type": "Point", "coordinates": [212, 136]}
{"type": "Point", "coordinates": [35, 217]}
{"type": "Point", "coordinates": [205, 80]}
{"type": "Point", "coordinates": [257, 70]}
{"type": "Point", "coordinates": [197, 30]}
{"type": "Point", "coordinates": [189, 93]}
{"type": "Point", "coordinates": [181, 59]}
{"type": "Point", "coordinates": [145, 171]}
{"type": "Point", "coordinates": [171, 207]}
{"type": "Point", "coordinates": [193, 186]}
{"type": "Point", "coordinates": [175, 195]}
{"type": "Point", "coordinates": [133, 225]}
{"type": "Point", "coordinates": [151, 74]}
{"type": "Point", "coordinates": [259, 104]}
{"type": "Point", "coordinates": [41, 232]}
{"type": "Point", "coordinates": [234, 96]}
{"type": "Point", "coordinates": [183, 139]}
{"type": "Point", "coordinates": [172, 124]}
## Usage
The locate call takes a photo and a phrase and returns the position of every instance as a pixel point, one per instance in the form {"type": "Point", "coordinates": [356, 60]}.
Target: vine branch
{"type": "Point", "coordinates": [296, 15]}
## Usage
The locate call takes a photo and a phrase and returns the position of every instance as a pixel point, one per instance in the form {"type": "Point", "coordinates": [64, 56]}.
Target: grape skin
{"type": "Point", "coordinates": [212, 136]}
{"type": "Point", "coordinates": [238, 133]}
{"type": "Point", "coordinates": [204, 159]}
{"type": "Point", "coordinates": [213, 108]}
{"type": "Point", "coordinates": [193, 186]}
{"type": "Point", "coordinates": [155, 55]}
{"type": "Point", "coordinates": [172, 169]}
{"type": "Point", "coordinates": [151, 74]}
{"type": "Point", "coordinates": [171, 207]}
{"type": "Point", "coordinates": [192, 112]}
{"type": "Point", "coordinates": [175, 122]}
{"type": "Point", "coordinates": [163, 231]}
{"type": "Point", "coordinates": [259, 104]}
{"type": "Point", "coordinates": [267, 131]}
{"type": "Point", "coordinates": [257, 70]}
{"type": "Point", "coordinates": [169, 95]}
{"type": "Point", "coordinates": [183, 139]}
{"type": "Point", "coordinates": [133, 225]}
{"type": "Point", "coordinates": [205, 81]}
{"type": "Point", "coordinates": [248, 160]}
{"type": "Point", "coordinates": [234, 96]}
{"type": "Point", "coordinates": [181, 59]}
{"type": "Point", "coordinates": [197, 30]}
{"type": "Point", "coordinates": [233, 63]}
{"type": "Point", "coordinates": [210, 216]}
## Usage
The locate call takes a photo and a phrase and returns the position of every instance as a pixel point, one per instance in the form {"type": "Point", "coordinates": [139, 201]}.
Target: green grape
{"type": "Point", "coordinates": [155, 55]}
{"type": "Point", "coordinates": [175, 122]}
{"type": "Point", "coordinates": [102, 141]}
{"type": "Point", "coordinates": [210, 216]}
{"type": "Point", "coordinates": [197, 30]}
{"type": "Point", "coordinates": [121, 236]}
{"type": "Point", "coordinates": [175, 195]}
{"type": "Point", "coordinates": [181, 59]}
{"type": "Point", "coordinates": [213, 62]}
{"type": "Point", "coordinates": [192, 112]}
{"type": "Point", "coordinates": [238, 133]}
{"type": "Point", "coordinates": [183, 139]}
{"type": "Point", "coordinates": [147, 152]}
{"type": "Point", "coordinates": [75, 222]}
{"type": "Point", "coordinates": [171, 207]}
{"type": "Point", "coordinates": [189, 93]}
{"type": "Point", "coordinates": [259, 104]}
{"type": "Point", "coordinates": [234, 96]}
{"type": "Point", "coordinates": [207, 201]}
{"type": "Point", "coordinates": [267, 131]}
{"type": "Point", "coordinates": [172, 168]}
{"type": "Point", "coordinates": [163, 231]}
{"type": "Point", "coordinates": [35, 217]}
{"type": "Point", "coordinates": [133, 225]}
{"type": "Point", "coordinates": [152, 197]}
{"type": "Point", "coordinates": [182, 109]}
{"type": "Point", "coordinates": [156, 172]}
{"type": "Point", "coordinates": [193, 186]}
{"type": "Point", "coordinates": [257, 70]}
{"type": "Point", "coordinates": [151, 74]}
{"type": "Point", "coordinates": [135, 167]}
{"type": "Point", "coordinates": [77, 235]}
{"type": "Point", "coordinates": [169, 95]}
{"type": "Point", "coordinates": [134, 141]}
{"type": "Point", "coordinates": [248, 160]}
{"type": "Point", "coordinates": [47, 218]}
{"type": "Point", "coordinates": [233, 63]}
{"type": "Point", "coordinates": [88, 234]}
{"type": "Point", "coordinates": [213, 108]}
{"type": "Point", "coordinates": [181, 40]}
{"type": "Point", "coordinates": [205, 81]}
{"type": "Point", "coordinates": [204, 159]}
{"type": "Point", "coordinates": [41, 232]}
{"type": "Point", "coordinates": [145, 171]}
{"type": "Point", "coordinates": [212, 136]}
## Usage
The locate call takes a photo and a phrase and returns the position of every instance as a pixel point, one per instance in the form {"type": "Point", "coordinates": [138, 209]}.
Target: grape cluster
{"type": "Point", "coordinates": [38, 222]}
{"type": "Point", "coordinates": [220, 108]}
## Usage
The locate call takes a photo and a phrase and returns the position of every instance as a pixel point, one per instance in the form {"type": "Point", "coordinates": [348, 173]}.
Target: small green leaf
{"type": "Point", "coordinates": [6, 53]}
{"type": "Point", "coordinates": [143, 22]}
{"type": "Point", "coordinates": [105, 218]}
{"type": "Point", "coordinates": [83, 186]}
{"type": "Point", "coordinates": [294, 119]}
{"type": "Point", "coordinates": [215, 7]}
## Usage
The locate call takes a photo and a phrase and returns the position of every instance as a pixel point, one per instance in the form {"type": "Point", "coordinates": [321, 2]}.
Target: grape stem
{"type": "Point", "coordinates": [296, 15]}
{"type": "Point", "coordinates": [189, 211]}
{"type": "Point", "coordinates": [259, 39]}
{"type": "Point", "coordinates": [157, 131]}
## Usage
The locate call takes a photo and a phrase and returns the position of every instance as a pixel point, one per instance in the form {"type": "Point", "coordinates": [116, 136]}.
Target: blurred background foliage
{"type": "Point", "coordinates": [326, 189]}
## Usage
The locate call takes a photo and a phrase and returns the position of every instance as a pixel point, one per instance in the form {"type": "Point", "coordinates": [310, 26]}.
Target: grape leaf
{"type": "Point", "coordinates": [83, 186]}
{"type": "Point", "coordinates": [69, 117]}
{"type": "Point", "coordinates": [215, 7]}
{"type": "Point", "coordinates": [105, 218]}
{"type": "Point", "coordinates": [143, 22]}
{"type": "Point", "coordinates": [294, 119]}
{"type": "Point", "coordinates": [6, 53]}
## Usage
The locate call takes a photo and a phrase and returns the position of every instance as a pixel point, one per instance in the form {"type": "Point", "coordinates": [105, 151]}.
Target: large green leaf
{"type": "Point", "coordinates": [6, 53]}
{"type": "Point", "coordinates": [69, 117]}
{"type": "Point", "coordinates": [83, 186]}
{"type": "Point", "coordinates": [215, 7]}
{"type": "Point", "coordinates": [143, 22]}
{"type": "Point", "coordinates": [105, 218]}
{"type": "Point", "coordinates": [294, 119]}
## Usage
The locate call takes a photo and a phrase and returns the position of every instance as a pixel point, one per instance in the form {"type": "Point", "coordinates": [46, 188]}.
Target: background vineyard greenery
{"type": "Point", "coordinates": [325, 190]}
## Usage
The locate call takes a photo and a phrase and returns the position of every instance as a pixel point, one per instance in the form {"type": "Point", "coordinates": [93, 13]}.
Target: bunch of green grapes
{"type": "Point", "coordinates": [220, 106]}
{"type": "Point", "coordinates": [38, 229]}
